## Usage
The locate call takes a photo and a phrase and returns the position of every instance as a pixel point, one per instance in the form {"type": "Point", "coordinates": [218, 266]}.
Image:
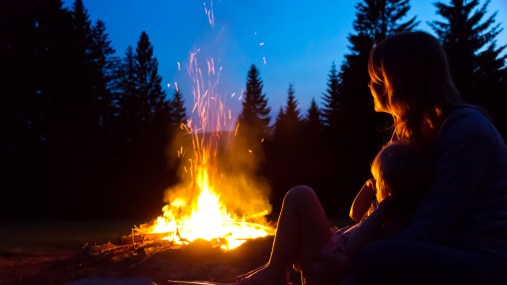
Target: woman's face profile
{"type": "Point", "coordinates": [379, 94]}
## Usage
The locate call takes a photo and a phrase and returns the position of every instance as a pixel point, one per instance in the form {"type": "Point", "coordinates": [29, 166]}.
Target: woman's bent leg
{"type": "Point", "coordinates": [303, 227]}
{"type": "Point", "coordinates": [302, 230]}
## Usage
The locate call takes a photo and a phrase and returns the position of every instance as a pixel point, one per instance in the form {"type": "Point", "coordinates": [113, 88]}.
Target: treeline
{"type": "Point", "coordinates": [84, 133]}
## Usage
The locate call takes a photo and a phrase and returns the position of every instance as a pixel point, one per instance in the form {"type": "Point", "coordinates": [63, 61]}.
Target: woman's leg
{"type": "Point", "coordinates": [302, 230]}
{"type": "Point", "coordinates": [406, 262]}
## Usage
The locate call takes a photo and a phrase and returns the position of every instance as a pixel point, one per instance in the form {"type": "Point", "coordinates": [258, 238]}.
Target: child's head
{"type": "Point", "coordinates": [402, 170]}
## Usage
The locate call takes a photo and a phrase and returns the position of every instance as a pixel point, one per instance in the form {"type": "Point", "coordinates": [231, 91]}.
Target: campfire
{"type": "Point", "coordinates": [213, 226]}
{"type": "Point", "coordinates": [223, 208]}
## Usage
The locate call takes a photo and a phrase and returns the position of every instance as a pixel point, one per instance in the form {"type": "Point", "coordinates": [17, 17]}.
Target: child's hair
{"type": "Point", "coordinates": [404, 171]}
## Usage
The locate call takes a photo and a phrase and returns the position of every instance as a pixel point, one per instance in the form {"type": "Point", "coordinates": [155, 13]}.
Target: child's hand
{"type": "Point", "coordinates": [363, 200]}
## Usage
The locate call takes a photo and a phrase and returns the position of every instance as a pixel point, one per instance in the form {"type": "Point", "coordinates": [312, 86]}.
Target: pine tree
{"type": "Point", "coordinates": [144, 117]}
{"type": "Point", "coordinates": [141, 100]}
{"type": "Point", "coordinates": [254, 118]}
{"type": "Point", "coordinates": [148, 82]}
{"type": "Point", "coordinates": [32, 44]}
{"type": "Point", "coordinates": [478, 66]}
{"type": "Point", "coordinates": [313, 131]}
{"type": "Point", "coordinates": [313, 120]}
{"type": "Point", "coordinates": [124, 90]}
{"type": "Point", "coordinates": [378, 19]}
{"type": "Point", "coordinates": [178, 111]}
{"type": "Point", "coordinates": [375, 21]}
{"type": "Point", "coordinates": [470, 43]}
{"type": "Point", "coordinates": [105, 64]}
{"type": "Point", "coordinates": [288, 122]}
{"type": "Point", "coordinates": [359, 135]}
{"type": "Point", "coordinates": [331, 108]}
{"type": "Point", "coordinates": [83, 101]}
{"type": "Point", "coordinates": [279, 126]}
{"type": "Point", "coordinates": [291, 108]}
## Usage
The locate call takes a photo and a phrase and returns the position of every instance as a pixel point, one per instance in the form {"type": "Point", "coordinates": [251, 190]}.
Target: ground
{"type": "Point", "coordinates": [60, 252]}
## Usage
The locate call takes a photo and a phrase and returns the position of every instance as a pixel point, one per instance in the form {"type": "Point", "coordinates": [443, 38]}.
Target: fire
{"type": "Point", "coordinates": [208, 219]}
{"type": "Point", "coordinates": [198, 208]}
{"type": "Point", "coordinates": [190, 216]}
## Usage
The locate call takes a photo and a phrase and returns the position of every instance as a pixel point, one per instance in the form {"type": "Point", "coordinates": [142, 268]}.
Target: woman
{"type": "Point", "coordinates": [458, 235]}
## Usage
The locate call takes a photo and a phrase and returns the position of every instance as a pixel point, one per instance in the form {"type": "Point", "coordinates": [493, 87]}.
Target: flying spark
{"type": "Point", "coordinates": [210, 14]}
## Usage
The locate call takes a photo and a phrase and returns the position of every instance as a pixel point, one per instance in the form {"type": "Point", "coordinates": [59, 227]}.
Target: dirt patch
{"type": "Point", "coordinates": [26, 262]}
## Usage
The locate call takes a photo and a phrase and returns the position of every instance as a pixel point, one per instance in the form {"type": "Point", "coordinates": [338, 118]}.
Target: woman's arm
{"type": "Point", "coordinates": [369, 229]}
{"type": "Point", "coordinates": [467, 140]}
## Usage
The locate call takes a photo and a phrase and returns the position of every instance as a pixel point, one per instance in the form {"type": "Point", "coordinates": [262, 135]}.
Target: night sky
{"type": "Point", "coordinates": [289, 41]}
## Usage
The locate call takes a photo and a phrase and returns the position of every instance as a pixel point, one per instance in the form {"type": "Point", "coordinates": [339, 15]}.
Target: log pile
{"type": "Point", "coordinates": [147, 255]}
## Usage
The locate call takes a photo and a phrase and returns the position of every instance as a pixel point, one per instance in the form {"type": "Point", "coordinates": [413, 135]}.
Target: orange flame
{"type": "Point", "coordinates": [198, 210]}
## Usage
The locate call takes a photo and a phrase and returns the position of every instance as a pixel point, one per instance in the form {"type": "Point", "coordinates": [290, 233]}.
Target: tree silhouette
{"type": "Point", "coordinates": [284, 150]}
{"type": "Point", "coordinates": [141, 100]}
{"type": "Point", "coordinates": [359, 135]}
{"type": "Point", "coordinates": [254, 118]}
{"type": "Point", "coordinates": [144, 119]}
{"type": "Point", "coordinates": [60, 89]}
{"type": "Point", "coordinates": [126, 96]}
{"type": "Point", "coordinates": [313, 120]}
{"type": "Point", "coordinates": [153, 102]}
{"type": "Point", "coordinates": [32, 39]}
{"type": "Point", "coordinates": [78, 122]}
{"type": "Point", "coordinates": [331, 99]}
{"type": "Point", "coordinates": [478, 66]}
{"type": "Point", "coordinates": [288, 121]}
{"type": "Point", "coordinates": [81, 105]}
{"type": "Point", "coordinates": [178, 111]}
{"type": "Point", "coordinates": [105, 63]}
{"type": "Point", "coordinates": [374, 21]}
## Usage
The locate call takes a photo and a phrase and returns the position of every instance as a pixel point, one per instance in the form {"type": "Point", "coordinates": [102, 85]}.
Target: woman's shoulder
{"type": "Point", "coordinates": [469, 124]}
{"type": "Point", "coordinates": [468, 118]}
{"type": "Point", "coordinates": [469, 110]}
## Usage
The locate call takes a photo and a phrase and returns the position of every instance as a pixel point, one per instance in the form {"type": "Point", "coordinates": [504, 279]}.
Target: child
{"type": "Point", "coordinates": [323, 256]}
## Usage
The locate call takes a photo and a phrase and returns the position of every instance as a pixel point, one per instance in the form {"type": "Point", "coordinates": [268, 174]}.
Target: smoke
{"type": "Point", "coordinates": [244, 190]}
{"type": "Point", "coordinates": [231, 169]}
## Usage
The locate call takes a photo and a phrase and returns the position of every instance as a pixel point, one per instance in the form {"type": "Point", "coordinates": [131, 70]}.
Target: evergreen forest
{"type": "Point", "coordinates": [84, 133]}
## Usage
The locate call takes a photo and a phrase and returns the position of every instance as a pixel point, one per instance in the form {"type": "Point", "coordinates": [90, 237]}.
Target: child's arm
{"type": "Point", "coordinates": [362, 201]}
{"type": "Point", "coordinates": [368, 230]}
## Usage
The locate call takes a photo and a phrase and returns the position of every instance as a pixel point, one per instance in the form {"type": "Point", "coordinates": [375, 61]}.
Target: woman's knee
{"type": "Point", "coordinates": [300, 192]}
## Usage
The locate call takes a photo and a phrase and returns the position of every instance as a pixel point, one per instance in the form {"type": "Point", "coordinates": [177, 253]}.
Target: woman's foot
{"type": "Point", "coordinates": [264, 275]}
{"type": "Point", "coordinates": [251, 272]}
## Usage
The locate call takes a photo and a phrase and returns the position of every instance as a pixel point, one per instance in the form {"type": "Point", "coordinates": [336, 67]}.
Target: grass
{"type": "Point", "coordinates": [49, 237]}
{"type": "Point", "coordinates": [24, 239]}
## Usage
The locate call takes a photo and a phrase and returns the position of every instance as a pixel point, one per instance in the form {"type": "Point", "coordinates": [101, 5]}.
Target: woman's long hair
{"type": "Point", "coordinates": [416, 78]}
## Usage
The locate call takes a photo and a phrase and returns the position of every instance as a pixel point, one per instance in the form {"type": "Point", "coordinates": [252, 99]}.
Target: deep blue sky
{"type": "Point", "coordinates": [289, 41]}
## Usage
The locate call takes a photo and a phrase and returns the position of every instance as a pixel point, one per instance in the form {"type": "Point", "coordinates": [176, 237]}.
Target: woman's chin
{"type": "Point", "coordinates": [380, 109]}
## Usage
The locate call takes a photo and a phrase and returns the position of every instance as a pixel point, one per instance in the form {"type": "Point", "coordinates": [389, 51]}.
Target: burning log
{"type": "Point", "coordinates": [162, 260]}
